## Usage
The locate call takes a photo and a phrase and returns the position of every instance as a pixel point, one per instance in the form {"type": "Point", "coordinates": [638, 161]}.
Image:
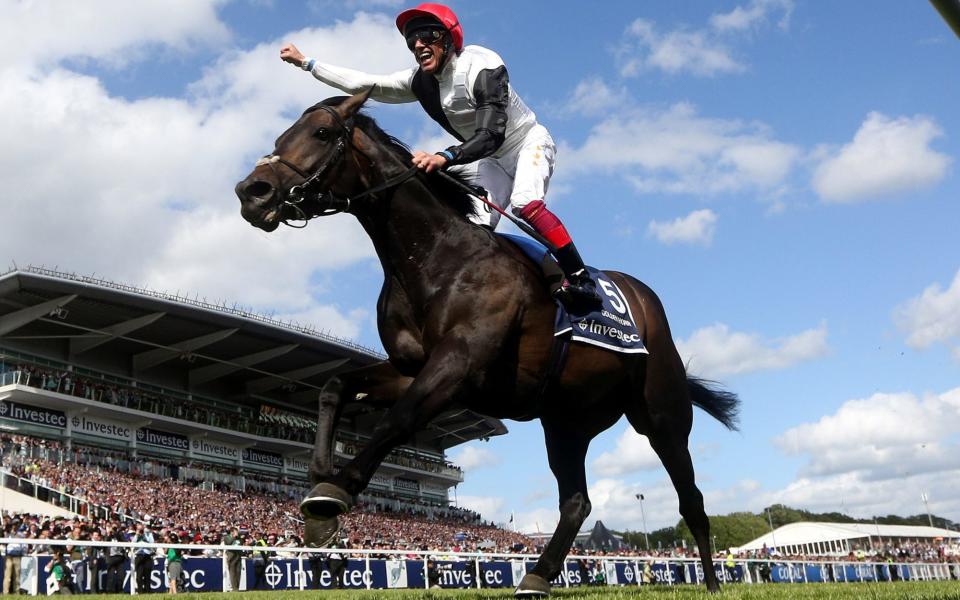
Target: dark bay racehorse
{"type": "Point", "coordinates": [467, 321]}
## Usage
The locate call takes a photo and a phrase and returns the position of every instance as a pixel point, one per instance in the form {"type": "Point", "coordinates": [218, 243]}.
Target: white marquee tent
{"type": "Point", "coordinates": [837, 539]}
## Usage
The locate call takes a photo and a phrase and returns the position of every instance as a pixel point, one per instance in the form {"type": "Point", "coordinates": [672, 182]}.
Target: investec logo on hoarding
{"type": "Point", "coordinates": [32, 414]}
{"type": "Point", "coordinates": [101, 427]}
{"type": "Point", "coordinates": [410, 485]}
{"type": "Point", "coordinates": [262, 457]}
{"type": "Point", "coordinates": [152, 437]}
{"type": "Point", "coordinates": [296, 464]}
{"type": "Point", "coordinates": [208, 448]}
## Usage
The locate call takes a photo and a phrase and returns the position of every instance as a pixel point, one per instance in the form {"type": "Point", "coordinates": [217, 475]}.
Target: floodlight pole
{"type": "Point", "coordinates": [773, 534]}
{"type": "Point", "coordinates": [927, 505]}
{"type": "Point", "coordinates": [643, 517]}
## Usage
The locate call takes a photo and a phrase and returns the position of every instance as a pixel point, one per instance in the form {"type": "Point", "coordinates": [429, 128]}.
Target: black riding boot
{"type": "Point", "coordinates": [578, 292]}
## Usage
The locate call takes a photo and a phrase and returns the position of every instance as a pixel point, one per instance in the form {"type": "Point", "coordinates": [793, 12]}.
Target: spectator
{"type": "Point", "coordinates": [143, 559]}
{"type": "Point", "coordinates": [174, 565]}
{"type": "Point", "coordinates": [260, 560]}
{"type": "Point", "coordinates": [59, 570]}
{"type": "Point", "coordinates": [116, 557]}
{"type": "Point", "coordinates": [96, 561]}
{"type": "Point", "coordinates": [11, 563]}
{"type": "Point", "coordinates": [336, 565]}
{"type": "Point", "coordinates": [231, 537]}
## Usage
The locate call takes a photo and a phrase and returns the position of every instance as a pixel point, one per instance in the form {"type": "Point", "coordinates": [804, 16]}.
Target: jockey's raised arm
{"type": "Point", "coordinates": [392, 89]}
{"type": "Point", "coordinates": [467, 91]}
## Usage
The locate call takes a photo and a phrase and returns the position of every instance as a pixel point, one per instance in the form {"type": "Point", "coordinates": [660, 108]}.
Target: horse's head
{"type": "Point", "coordinates": [311, 160]}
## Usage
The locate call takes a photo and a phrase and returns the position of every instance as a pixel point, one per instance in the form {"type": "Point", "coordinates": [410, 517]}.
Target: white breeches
{"type": "Point", "coordinates": [517, 178]}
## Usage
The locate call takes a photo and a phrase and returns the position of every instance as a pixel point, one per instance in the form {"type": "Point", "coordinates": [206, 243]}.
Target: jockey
{"type": "Point", "coordinates": [467, 91]}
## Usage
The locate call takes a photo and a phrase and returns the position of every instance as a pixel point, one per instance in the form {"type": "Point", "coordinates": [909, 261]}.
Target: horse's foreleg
{"type": "Point", "coordinates": [566, 451]}
{"type": "Point", "coordinates": [381, 385]}
{"type": "Point", "coordinates": [439, 383]}
{"type": "Point", "coordinates": [328, 414]}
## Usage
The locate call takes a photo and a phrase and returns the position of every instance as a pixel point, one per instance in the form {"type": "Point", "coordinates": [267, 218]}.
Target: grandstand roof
{"type": "Point", "coordinates": [215, 350]}
{"type": "Point", "coordinates": [797, 534]}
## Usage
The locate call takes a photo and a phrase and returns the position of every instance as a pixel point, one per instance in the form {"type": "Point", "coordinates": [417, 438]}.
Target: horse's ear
{"type": "Point", "coordinates": [351, 105]}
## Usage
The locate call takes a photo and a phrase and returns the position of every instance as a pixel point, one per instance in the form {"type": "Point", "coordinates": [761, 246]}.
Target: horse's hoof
{"type": "Point", "coordinates": [532, 586]}
{"type": "Point", "coordinates": [325, 501]}
{"type": "Point", "coordinates": [318, 533]}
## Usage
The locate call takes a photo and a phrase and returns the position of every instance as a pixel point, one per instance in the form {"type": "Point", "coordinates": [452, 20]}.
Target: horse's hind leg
{"type": "Point", "coordinates": [665, 416]}
{"type": "Point", "coordinates": [566, 451]}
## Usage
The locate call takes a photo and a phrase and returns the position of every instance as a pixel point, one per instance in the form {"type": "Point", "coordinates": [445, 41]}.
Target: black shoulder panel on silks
{"type": "Point", "coordinates": [427, 91]}
{"type": "Point", "coordinates": [491, 91]}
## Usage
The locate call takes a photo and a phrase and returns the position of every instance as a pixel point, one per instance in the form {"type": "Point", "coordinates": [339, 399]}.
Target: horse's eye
{"type": "Point", "coordinates": [322, 134]}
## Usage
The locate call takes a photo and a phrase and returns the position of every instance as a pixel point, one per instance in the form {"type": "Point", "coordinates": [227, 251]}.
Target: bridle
{"type": "Point", "coordinates": [328, 202]}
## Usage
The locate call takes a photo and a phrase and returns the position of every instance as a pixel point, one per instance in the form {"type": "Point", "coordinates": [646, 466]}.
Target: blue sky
{"type": "Point", "coordinates": [782, 173]}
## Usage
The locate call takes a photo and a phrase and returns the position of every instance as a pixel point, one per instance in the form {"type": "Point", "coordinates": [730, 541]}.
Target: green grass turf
{"type": "Point", "coordinates": [910, 590]}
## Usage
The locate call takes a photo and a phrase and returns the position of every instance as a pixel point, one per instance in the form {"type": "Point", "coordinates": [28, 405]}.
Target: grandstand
{"type": "Point", "coordinates": [108, 368]}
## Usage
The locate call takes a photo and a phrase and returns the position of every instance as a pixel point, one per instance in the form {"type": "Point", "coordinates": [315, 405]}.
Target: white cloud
{"type": "Point", "coordinates": [539, 520]}
{"type": "Point", "coordinates": [644, 48]}
{"type": "Point", "coordinates": [872, 457]}
{"type": "Point", "coordinates": [753, 15]}
{"type": "Point", "coordinates": [887, 156]}
{"type": "Point", "coordinates": [323, 5]}
{"type": "Point", "coordinates": [933, 316]}
{"type": "Point", "coordinates": [473, 457]}
{"type": "Point", "coordinates": [876, 455]}
{"type": "Point", "coordinates": [678, 151]}
{"type": "Point", "coordinates": [631, 454]}
{"type": "Point", "coordinates": [114, 32]}
{"type": "Point", "coordinates": [593, 97]}
{"type": "Point", "coordinates": [489, 507]}
{"type": "Point", "coordinates": [695, 228]}
{"type": "Point", "coordinates": [258, 77]}
{"type": "Point", "coordinates": [715, 351]}
{"type": "Point", "coordinates": [615, 502]}
{"type": "Point", "coordinates": [883, 436]}
{"type": "Point", "coordinates": [703, 52]}
{"type": "Point", "coordinates": [851, 494]}
{"type": "Point", "coordinates": [142, 191]}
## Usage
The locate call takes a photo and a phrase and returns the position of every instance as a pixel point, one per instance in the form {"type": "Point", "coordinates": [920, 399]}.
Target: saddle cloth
{"type": "Point", "coordinates": [611, 326]}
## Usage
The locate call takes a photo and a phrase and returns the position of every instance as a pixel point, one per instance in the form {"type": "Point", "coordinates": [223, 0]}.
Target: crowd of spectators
{"type": "Point", "coordinates": [237, 418]}
{"type": "Point", "coordinates": [268, 421]}
{"type": "Point", "coordinates": [143, 493]}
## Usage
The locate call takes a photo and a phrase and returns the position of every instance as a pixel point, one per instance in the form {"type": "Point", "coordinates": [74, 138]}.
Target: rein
{"type": "Point", "coordinates": [330, 203]}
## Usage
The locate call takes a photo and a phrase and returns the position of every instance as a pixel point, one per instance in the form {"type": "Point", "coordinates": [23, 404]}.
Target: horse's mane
{"type": "Point", "coordinates": [450, 194]}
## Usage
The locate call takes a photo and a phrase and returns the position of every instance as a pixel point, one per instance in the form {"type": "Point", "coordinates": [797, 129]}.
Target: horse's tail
{"type": "Point", "coordinates": [722, 405]}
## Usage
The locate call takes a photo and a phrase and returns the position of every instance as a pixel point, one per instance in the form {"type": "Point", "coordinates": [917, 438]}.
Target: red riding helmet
{"type": "Point", "coordinates": [439, 12]}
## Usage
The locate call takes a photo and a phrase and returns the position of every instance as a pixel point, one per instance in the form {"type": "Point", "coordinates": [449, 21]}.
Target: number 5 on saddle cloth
{"type": "Point", "coordinates": [611, 326]}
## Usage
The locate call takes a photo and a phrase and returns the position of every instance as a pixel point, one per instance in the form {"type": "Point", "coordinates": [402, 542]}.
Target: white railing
{"type": "Point", "coordinates": [472, 564]}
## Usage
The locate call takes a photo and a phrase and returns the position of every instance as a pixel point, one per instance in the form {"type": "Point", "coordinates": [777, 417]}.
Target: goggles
{"type": "Point", "coordinates": [430, 35]}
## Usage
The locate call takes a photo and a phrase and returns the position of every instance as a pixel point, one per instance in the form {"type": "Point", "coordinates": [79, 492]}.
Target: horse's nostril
{"type": "Point", "coordinates": [258, 189]}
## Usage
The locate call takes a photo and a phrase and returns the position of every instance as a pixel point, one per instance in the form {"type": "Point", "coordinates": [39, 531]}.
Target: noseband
{"type": "Point", "coordinates": [328, 202]}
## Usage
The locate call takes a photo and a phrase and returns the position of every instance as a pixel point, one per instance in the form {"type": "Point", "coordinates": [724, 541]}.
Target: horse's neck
{"type": "Point", "coordinates": [413, 235]}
